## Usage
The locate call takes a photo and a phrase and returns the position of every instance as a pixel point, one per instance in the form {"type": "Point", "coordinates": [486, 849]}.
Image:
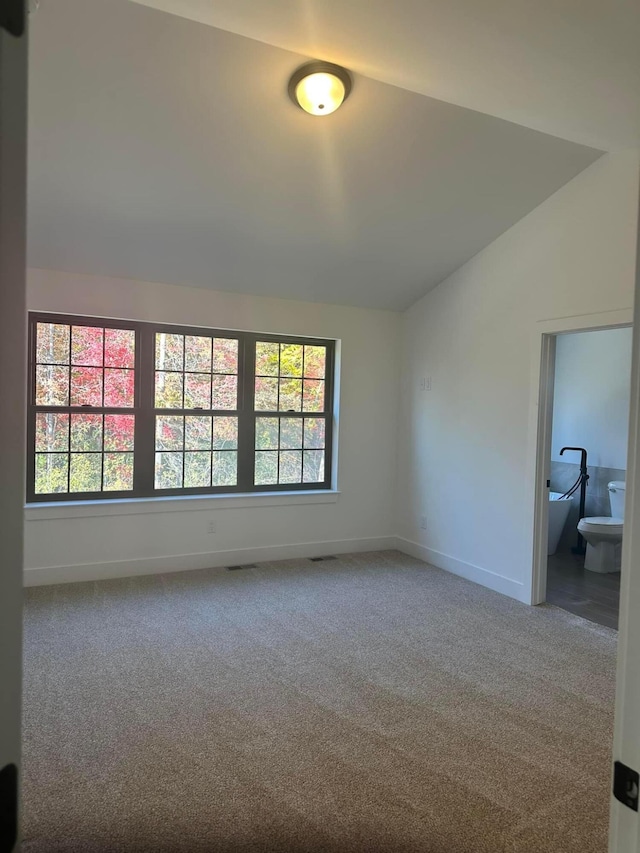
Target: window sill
{"type": "Point", "coordinates": [186, 503]}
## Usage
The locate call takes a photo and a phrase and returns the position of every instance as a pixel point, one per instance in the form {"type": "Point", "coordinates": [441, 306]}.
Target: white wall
{"type": "Point", "coordinates": [464, 445]}
{"type": "Point", "coordinates": [113, 540]}
{"type": "Point", "coordinates": [591, 396]}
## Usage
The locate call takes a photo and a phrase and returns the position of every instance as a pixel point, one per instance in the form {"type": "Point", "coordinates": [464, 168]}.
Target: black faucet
{"type": "Point", "coordinates": [584, 477]}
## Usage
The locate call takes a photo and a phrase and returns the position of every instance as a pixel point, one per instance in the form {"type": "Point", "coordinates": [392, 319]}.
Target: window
{"type": "Point", "coordinates": [122, 409]}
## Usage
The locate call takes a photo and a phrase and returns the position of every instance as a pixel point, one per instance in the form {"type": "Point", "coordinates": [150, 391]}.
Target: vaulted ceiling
{"type": "Point", "coordinates": [566, 67]}
{"type": "Point", "coordinates": [165, 148]}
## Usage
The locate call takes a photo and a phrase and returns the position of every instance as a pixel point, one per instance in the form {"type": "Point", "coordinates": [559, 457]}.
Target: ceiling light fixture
{"type": "Point", "coordinates": [319, 88]}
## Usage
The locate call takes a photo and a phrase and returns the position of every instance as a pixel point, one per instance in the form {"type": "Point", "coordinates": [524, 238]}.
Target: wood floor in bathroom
{"type": "Point", "coordinates": [588, 594]}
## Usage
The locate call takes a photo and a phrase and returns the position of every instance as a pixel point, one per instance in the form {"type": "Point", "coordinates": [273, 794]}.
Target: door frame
{"type": "Point", "coordinates": [624, 824]}
{"type": "Point", "coordinates": [13, 358]}
{"type": "Point", "coordinates": [543, 348]}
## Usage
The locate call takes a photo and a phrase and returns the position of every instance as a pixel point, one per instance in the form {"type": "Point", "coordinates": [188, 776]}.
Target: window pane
{"type": "Point", "coordinates": [197, 433]}
{"type": "Point", "coordinates": [169, 351]}
{"type": "Point", "coordinates": [169, 432]}
{"type": "Point", "coordinates": [52, 431]}
{"type": "Point", "coordinates": [314, 395]}
{"type": "Point", "coordinates": [291, 433]}
{"type": "Point", "coordinates": [197, 470]}
{"type": "Point", "coordinates": [86, 433]}
{"type": "Point", "coordinates": [86, 386]}
{"type": "Point", "coordinates": [52, 343]}
{"type": "Point", "coordinates": [290, 466]}
{"type": "Point", "coordinates": [266, 433]}
{"type": "Point", "coordinates": [197, 353]}
{"type": "Point", "coordinates": [118, 472]}
{"type": "Point", "coordinates": [169, 390]}
{"type": "Point", "coordinates": [86, 345]}
{"type": "Point", "coordinates": [51, 473]}
{"type": "Point", "coordinates": [85, 474]}
{"type": "Point", "coordinates": [313, 466]}
{"type": "Point", "coordinates": [290, 360]}
{"type": "Point", "coordinates": [225, 468]}
{"type": "Point", "coordinates": [267, 358]}
{"type": "Point", "coordinates": [118, 388]}
{"type": "Point", "coordinates": [225, 433]}
{"type": "Point", "coordinates": [266, 472]}
{"type": "Point", "coordinates": [168, 471]}
{"type": "Point", "coordinates": [119, 432]}
{"type": "Point", "coordinates": [266, 395]}
{"type": "Point", "coordinates": [225, 392]}
{"type": "Point", "coordinates": [52, 386]}
{"type": "Point", "coordinates": [290, 395]}
{"type": "Point", "coordinates": [119, 348]}
{"type": "Point", "coordinates": [314, 362]}
{"type": "Point", "coordinates": [314, 432]}
{"type": "Point", "coordinates": [196, 382]}
{"type": "Point", "coordinates": [197, 391]}
{"type": "Point", "coordinates": [225, 355]}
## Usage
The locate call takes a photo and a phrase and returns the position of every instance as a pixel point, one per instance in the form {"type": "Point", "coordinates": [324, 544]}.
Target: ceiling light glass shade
{"type": "Point", "coordinates": [320, 94]}
{"type": "Point", "coordinates": [319, 88]}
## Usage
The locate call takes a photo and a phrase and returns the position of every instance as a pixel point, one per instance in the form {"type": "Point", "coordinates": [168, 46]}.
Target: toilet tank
{"type": "Point", "coordinates": [617, 491]}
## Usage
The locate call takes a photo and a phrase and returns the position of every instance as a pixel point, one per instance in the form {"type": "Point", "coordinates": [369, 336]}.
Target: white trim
{"type": "Point", "coordinates": [13, 384]}
{"type": "Point", "coordinates": [543, 468]}
{"type": "Point", "coordinates": [204, 560]}
{"type": "Point", "coordinates": [484, 577]}
{"type": "Point", "coordinates": [184, 503]}
{"type": "Point", "coordinates": [624, 824]}
{"type": "Point", "coordinates": [539, 431]}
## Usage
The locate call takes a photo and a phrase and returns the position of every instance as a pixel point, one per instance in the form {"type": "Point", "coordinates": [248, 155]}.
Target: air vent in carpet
{"type": "Point", "coordinates": [238, 568]}
{"type": "Point", "coordinates": [321, 559]}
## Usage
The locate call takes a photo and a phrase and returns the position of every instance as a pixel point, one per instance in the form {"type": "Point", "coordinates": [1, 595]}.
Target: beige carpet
{"type": "Point", "coordinates": [370, 703]}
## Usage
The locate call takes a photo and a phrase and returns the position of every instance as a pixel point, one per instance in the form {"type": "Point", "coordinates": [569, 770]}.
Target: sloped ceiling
{"type": "Point", "coordinates": [167, 150]}
{"type": "Point", "coordinates": [566, 67]}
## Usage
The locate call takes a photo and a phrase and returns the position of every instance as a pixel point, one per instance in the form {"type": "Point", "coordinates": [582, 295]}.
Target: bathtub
{"type": "Point", "coordinates": [558, 512]}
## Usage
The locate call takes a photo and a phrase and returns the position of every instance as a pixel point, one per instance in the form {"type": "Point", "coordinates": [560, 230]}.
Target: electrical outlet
{"type": "Point", "coordinates": [423, 522]}
{"type": "Point", "coordinates": [211, 527]}
{"type": "Point", "coordinates": [425, 383]}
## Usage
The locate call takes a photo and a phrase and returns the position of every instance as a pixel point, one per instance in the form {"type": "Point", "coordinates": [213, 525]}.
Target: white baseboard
{"type": "Point", "coordinates": [499, 583]}
{"type": "Point", "coordinates": [235, 557]}
{"type": "Point", "coordinates": [186, 562]}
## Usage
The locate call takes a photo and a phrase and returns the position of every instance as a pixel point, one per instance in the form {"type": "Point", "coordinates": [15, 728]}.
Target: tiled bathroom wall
{"type": "Point", "coordinates": [564, 475]}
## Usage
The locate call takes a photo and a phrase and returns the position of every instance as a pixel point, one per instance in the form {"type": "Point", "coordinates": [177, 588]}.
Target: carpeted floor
{"type": "Point", "coordinates": [370, 703]}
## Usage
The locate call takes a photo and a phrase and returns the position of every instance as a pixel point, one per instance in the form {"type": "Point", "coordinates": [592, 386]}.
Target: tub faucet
{"type": "Point", "coordinates": [584, 477]}
{"type": "Point", "coordinates": [583, 458]}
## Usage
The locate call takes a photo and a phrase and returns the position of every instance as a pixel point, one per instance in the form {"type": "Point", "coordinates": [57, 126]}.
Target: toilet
{"type": "Point", "coordinates": [603, 534]}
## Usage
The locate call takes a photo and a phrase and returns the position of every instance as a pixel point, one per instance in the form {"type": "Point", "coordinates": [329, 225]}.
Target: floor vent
{"type": "Point", "coordinates": [239, 568]}
{"type": "Point", "coordinates": [321, 559]}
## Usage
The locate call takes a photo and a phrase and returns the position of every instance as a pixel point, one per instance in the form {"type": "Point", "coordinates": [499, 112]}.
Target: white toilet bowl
{"type": "Point", "coordinates": [603, 534]}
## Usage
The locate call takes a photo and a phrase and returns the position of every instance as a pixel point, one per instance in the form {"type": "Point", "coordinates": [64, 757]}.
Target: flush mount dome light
{"type": "Point", "coordinates": [319, 87]}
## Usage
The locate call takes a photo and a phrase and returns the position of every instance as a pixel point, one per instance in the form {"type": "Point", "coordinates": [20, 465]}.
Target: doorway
{"type": "Point", "coordinates": [581, 470]}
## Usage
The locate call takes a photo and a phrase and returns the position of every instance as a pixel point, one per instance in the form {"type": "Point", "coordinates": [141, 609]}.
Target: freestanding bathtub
{"type": "Point", "coordinates": [558, 512]}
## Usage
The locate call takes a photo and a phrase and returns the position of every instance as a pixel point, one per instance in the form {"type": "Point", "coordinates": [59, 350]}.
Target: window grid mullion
{"type": "Point", "coordinates": [279, 442]}
{"type": "Point", "coordinates": [246, 418]}
{"type": "Point", "coordinates": [69, 400]}
{"type": "Point", "coordinates": [104, 379]}
{"type": "Point", "coordinates": [144, 442]}
{"type": "Point", "coordinates": [211, 403]}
